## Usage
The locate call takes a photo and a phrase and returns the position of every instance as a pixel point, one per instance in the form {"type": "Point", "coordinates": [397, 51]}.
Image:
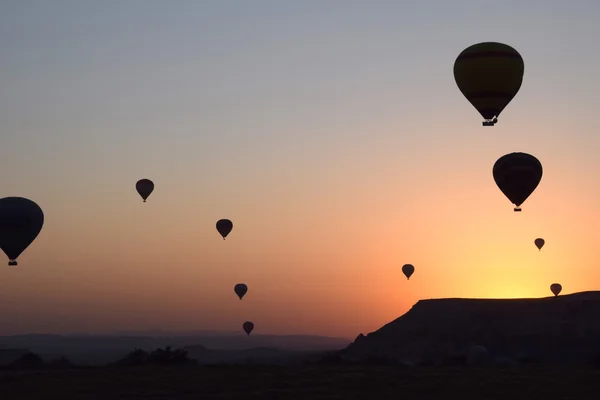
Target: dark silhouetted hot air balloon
{"type": "Point", "coordinates": [224, 226]}
{"type": "Point", "coordinates": [21, 221]}
{"type": "Point", "coordinates": [240, 289]}
{"type": "Point", "coordinates": [556, 288]}
{"type": "Point", "coordinates": [144, 187]}
{"type": "Point", "coordinates": [477, 355]}
{"type": "Point", "coordinates": [489, 75]}
{"type": "Point", "coordinates": [248, 327]}
{"type": "Point", "coordinates": [408, 270]}
{"type": "Point", "coordinates": [539, 243]}
{"type": "Point", "coordinates": [517, 175]}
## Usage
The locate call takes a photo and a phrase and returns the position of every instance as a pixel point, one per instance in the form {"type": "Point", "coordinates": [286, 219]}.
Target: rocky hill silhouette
{"type": "Point", "coordinates": [564, 329]}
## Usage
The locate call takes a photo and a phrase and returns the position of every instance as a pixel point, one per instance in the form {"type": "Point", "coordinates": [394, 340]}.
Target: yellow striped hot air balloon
{"type": "Point", "coordinates": [489, 75]}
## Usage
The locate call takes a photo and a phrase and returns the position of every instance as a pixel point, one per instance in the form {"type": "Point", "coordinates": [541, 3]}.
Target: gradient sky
{"type": "Point", "coordinates": [331, 133]}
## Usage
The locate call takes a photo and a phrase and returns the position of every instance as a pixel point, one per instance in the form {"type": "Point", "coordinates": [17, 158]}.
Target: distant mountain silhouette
{"type": "Point", "coordinates": [165, 333]}
{"type": "Point", "coordinates": [564, 329]}
{"type": "Point", "coordinates": [87, 349]}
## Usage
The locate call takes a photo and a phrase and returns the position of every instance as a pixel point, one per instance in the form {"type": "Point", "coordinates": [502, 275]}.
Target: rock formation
{"type": "Point", "coordinates": [564, 329]}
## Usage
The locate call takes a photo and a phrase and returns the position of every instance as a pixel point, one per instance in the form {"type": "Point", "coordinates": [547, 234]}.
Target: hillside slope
{"type": "Point", "coordinates": [552, 329]}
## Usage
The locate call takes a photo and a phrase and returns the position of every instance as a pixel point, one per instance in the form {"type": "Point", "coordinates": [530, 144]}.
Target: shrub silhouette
{"type": "Point", "coordinates": [170, 357]}
{"type": "Point", "coordinates": [157, 357]}
{"type": "Point", "coordinates": [28, 361]}
{"type": "Point", "coordinates": [136, 357]}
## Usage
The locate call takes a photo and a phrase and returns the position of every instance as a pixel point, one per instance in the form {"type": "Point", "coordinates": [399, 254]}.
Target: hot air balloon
{"type": "Point", "coordinates": [477, 355]}
{"type": "Point", "coordinates": [248, 327]}
{"type": "Point", "coordinates": [517, 175]}
{"type": "Point", "coordinates": [539, 243]}
{"type": "Point", "coordinates": [556, 288]}
{"type": "Point", "coordinates": [144, 187]}
{"type": "Point", "coordinates": [21, 221]}
{"type": "Point", "coordinates": [224, 226]}
{"type": "Point", "coordinates": [408, 270]}
{"type": "Point", "coordinates": [489, 75]}
{"type": "Point", "coordinates": [240, 289]}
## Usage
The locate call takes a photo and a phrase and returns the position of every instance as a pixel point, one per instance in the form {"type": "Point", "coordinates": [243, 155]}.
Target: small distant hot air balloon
{"type": "Point", "coordinates": [539, 243]}
{"type": "Point", "coordinates": [489, 75]}
{"type": "Point", "coordinates": [248, 327]}
{"type": "Point", "coordinates": [240, 289]}
{"type": "Point", "coordinates": [517, 176]}
{"type": "Point", "coordinates": [477, 355]}
{"type": "Point", "coordinates": [224, 226]}
{"type": "Point", "coordinates": [556, 288]}
{"type": "Point", "coordinates": [144, 187]}
{"type": "Point", "coordinates": [21, 221]}
{"type": "Point", "coordinates": [408, 270]}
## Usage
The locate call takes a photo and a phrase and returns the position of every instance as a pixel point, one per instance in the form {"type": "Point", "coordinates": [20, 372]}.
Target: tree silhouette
{"type": "Point", "coordinates": [28, 361]}
{"type": "Point", "coordinates": [165, 356]}
{"type": "Point", "coordinates": [62, 362]}
{"type": "Point", "coordinates": [136, 357]}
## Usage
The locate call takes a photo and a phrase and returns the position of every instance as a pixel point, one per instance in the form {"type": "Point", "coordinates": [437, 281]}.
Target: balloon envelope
{"type": "Point", "coordinates": [408, 270]}
{"type": "Point", "coordinates": [240, 289]}
{"type": "Point", "coordinates": [477, 355]}
{"type": "Point", "coordinates": [489, 75]}
{"type": "Point", "coordinates": [21, 221]}
{"type": "Point", "coordinates": [224, 226]}
{"type": "Point", "coordinates": [556, 288]}
{"type": "Point", "coordinates": [248, 327]}
{"type": "Point", "coordinates": [539, 243]}
{"type": "Point", "coordinates": [517, 176]}
{"type": "Point", "coordinates": [144, 187]}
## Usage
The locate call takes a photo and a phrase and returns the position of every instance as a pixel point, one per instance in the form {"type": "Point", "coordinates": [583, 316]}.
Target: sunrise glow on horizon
{"type": "Point", "coordinates": [333, 136]}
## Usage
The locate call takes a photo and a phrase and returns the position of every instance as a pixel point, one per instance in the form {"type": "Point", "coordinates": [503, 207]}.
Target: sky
{"type": "Point", "coordinates": [332, 134]}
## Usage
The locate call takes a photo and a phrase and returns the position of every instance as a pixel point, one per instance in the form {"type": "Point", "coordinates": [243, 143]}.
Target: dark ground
{"type": "Point", "coordinates": [302, 382]}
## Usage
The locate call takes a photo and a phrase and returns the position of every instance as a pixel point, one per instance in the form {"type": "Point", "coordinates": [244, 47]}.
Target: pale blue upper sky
{"type": "Point", "coordinates": [243, 109]}
{"type": "Point", "coordinates": [141, 86]}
